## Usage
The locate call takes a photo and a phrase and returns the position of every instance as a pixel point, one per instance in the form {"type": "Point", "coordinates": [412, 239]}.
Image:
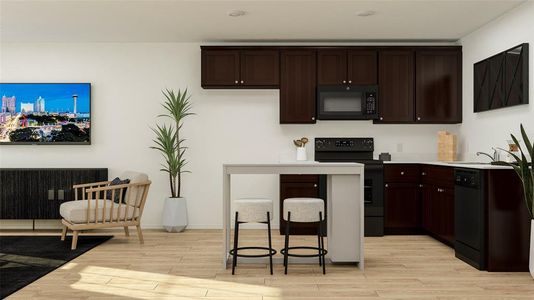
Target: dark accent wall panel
{"type": "Point", "coordinates": [501, 80]}
{"type": "Point", "coordinates": [24, 193]}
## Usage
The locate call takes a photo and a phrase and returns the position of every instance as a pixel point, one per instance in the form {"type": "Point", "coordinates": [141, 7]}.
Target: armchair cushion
{"type": "Point", "coordinates": [134, 194]}
{"type": "Point", "coordinates": [117, 181]}
{"type": "Point", "coordinates": [76, 211]}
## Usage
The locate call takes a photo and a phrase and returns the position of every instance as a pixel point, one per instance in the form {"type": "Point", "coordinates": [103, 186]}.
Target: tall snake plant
{"type": "Point", "coordinates": [524, 169]}
{"type": "Point", "coordinates": [168, 140]}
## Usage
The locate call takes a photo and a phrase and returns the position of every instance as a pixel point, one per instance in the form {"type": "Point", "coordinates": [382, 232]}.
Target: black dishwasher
{"type": "Point", "coordinates": [469, 217]}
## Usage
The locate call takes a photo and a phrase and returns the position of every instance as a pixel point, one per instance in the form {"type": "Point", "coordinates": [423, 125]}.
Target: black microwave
{"type": "Point", "coordinates": [347, 102]}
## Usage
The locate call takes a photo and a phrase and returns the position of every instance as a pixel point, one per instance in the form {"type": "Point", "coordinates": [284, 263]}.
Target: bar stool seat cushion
{"type": "Point", "coordinates": [303, 209]}
{"type": "Point", "coordinates": [253, 210]}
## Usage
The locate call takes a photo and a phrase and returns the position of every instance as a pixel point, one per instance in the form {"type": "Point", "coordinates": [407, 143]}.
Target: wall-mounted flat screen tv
{"type": "Point", "coordinates": [45, 113]}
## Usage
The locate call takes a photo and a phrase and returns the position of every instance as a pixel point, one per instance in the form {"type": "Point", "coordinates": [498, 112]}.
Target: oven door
{"type": "Point", "coordinates": [342, 103]}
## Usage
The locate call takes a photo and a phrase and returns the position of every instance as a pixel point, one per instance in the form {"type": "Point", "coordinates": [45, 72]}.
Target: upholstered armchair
{"type": "Point", "coordinates": [101, 205]}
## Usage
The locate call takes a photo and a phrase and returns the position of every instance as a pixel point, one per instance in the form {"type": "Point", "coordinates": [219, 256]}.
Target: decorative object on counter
{"type": "Point", "coordinates": [171, 146]}
{"type": "Point", "coordinates": [513, 148]}
{"type": "Point", "coordinates": [446, 146]}
{"type": "Point", "coordinates": [384, 156]}
{"type": "Point", "coordinates": [526, 173]}
{"type": "Point", "coordinates": [301, 148]}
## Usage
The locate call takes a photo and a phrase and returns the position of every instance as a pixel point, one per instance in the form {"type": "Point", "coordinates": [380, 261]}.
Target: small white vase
{"type": "Point", "coordinates": [175, 214]}
{"type": "Point", "coordinates": [301, 154]}
{"type": "Point", "coordinates": [531, 260]}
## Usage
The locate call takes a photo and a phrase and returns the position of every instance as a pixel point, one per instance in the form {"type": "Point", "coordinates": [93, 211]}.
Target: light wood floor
{"type": "Point", "coordinates": [188, 266]}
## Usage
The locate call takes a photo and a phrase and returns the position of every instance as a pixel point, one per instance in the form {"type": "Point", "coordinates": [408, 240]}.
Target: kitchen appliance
{"type": "Point", "coordinates": [347, 102]}
{"type": "Point", "coordinates": [359, 150]}
{"type": "Point", "coordinates": [469, 217]}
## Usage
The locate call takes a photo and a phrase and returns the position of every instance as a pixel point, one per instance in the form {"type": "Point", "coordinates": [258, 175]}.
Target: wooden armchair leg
{"type": "Point", "coordinates": [64, 232]}
{"type": "Point", "coordinates": [126, 231]}
{"type": "Point", "coordinates": [140, 234]}
{"type": "Point", "coordinates": [74, 240]}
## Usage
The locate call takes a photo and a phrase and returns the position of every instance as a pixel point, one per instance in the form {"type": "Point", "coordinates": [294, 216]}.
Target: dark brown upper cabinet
{"type": "Point", "coordinates": [396, 71]}
{"type": "Point", "coordinates": [297, 86]}
{"type": "Point", "coordinates": [247, 68]}
{"type": "Point", "coordinates": [260, 68]}
{"type": "Point", "coordinates": [220, 68]}
{"type": "Point", "coordinates": [438, 86]}
{"type": "Point", "coordinates": [342, 66]}
{"type": "Point", "coordinates": [331, 66]}
{"type": "Point", "coordinates": [501, 80]}
{"type": "Point", "coordinates": [362, 67]}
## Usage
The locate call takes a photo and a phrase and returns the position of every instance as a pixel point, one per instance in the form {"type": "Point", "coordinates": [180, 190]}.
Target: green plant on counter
{"type": "Point", "coordinates": [168, 140]}
{"type": "Point", "coordinates": [523, 168]}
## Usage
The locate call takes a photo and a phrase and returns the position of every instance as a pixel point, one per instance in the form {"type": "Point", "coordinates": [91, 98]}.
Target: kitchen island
{"type": "Point", "coordinates": [345, 217]}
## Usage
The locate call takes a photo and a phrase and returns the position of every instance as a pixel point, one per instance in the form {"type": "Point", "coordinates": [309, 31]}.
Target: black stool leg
{"type": "Point", "coordinates": [236, 236]}
{"type": "Point", "coordinates": [287, 242]}
{"type": "Point", "coordinates": [319, 232]}
{"type": "Point", "coordinates": [270, 242]}
{"type": "Point", "coordinates": [321, 225]}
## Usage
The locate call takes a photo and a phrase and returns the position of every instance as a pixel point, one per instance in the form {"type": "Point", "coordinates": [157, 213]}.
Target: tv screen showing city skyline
{"type": "Point", "coordinates": [47, 113]}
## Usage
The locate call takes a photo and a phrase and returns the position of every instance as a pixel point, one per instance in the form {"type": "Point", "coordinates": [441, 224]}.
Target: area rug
{"type": "Point", "coordinates": [24, 259]}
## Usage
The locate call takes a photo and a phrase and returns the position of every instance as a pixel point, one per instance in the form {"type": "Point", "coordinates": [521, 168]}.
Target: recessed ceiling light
{"type": "Point", "coordinates": [236, 13]}
{"type": "Point", "coordinates": [366, 13]}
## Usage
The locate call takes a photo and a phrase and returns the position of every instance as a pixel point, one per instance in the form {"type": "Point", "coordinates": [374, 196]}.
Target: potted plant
{"type": "Point", "coordinates": [523, 167]}
{"type": "Point", "coordinates": [169, 143]}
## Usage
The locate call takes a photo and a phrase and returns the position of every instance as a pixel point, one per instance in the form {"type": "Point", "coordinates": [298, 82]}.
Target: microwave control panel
{"type": "Point", "coordinates": [370, 103]}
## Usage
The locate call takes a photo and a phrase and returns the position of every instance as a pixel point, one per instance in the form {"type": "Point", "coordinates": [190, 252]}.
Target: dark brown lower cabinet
{"type": "Point", "coordinates": [438, 212]}
{"type": "Point", "coordinates": [402, 215]}
{"type": "Point", "coordinates": [295, 186]}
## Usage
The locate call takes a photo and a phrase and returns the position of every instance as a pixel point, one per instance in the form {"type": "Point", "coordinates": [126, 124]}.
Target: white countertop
{"type": "Point", "coordinates": [456, 164]}
{"type": "Point", "coordinates": [293, 167]}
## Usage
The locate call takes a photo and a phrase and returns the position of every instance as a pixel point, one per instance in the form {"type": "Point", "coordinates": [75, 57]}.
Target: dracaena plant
{"type": "Point", "coordinates": [523, 168]}
{"type": "Point", "coordinates": [168, 141]}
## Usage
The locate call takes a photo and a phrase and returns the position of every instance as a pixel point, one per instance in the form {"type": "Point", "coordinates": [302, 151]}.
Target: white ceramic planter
{"type": "Point", "coordinates": [175, 214]}
{"type": "Point", "coordinates": [301, 154]}
{"type": "Point", "coordinates": [531, 261]}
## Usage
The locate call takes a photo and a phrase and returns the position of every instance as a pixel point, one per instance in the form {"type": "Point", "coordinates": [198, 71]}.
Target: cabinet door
{"type": "Point", "coordinates": [294, 186]}
{"type": "Point", "coordinates": [260, 68]}
{"type": "Point", "coordinates": [401, 207]}
{"type": "Point", "coordinates": [219, 68]}
{"type": "Point", "coordinates": [54, 186]}
{"type": "Point", "coordinates": [438, 86]}
{"type": "Point", "coordinates": [297, 86]}
{"type": "Point", "coordinates": [430, 209]}
{"type": "Point", "coordinates": [18, 194]}
{"type": "Point", "coordinates": [396, 86]}
{"type": "Point", "coordinates": [447, 210]}
{"type": "Point", "coordinates": [362, 67]}
{"type": "Point", "coordinates": [332, 66]}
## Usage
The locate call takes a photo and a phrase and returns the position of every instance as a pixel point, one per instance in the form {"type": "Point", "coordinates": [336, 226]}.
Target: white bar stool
{"type": "Point", "coordinates": [304, 210]}
{"type": "Point", "coordinates": [252, 210]}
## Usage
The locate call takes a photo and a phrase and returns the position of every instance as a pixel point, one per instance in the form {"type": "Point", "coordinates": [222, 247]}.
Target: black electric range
{"type": "Point", "coordinates": [359, 150]}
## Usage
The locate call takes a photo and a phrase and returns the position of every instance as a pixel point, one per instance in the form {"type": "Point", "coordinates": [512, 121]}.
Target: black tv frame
{"type": "Point", "coordinates": [57, 143]}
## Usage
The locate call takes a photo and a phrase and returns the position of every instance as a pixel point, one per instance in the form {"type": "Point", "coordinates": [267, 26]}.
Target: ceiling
{"type": "Point", "coordinates": [208, 21]}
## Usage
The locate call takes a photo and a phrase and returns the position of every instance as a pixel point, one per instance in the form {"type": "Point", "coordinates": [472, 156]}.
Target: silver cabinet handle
{"type": "Point", "coordinates": [344, 81]}
{"type": "Point", "coordinates": [314, 185]}
{"type": "Point", "coordinates": [381, 118]}
{"type": "Point", "coordinates": [387, 185]}
{"type": "Point", "coordinates": [423, 174]}
{"type": "Point", "coordinates": [237, 81]}
{"type": "Point", "coordinates": [350, 81]}
{"type": "Point", "coordinates": [420, 185]}
{"type": "Point", "coordinates": [242, 81]}
{"type": "Point", "coordinates": [418, 118]}
{"type": "Point", "coordinates": [402, 172]}
{"type": "Point", "coordinates": [313, 118]}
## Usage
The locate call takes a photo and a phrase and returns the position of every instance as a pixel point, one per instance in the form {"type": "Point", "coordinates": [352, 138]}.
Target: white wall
{"type": "Point", "coordinates": [484, 130]}
{"type": "Point", "coordinates": [230, 125]}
